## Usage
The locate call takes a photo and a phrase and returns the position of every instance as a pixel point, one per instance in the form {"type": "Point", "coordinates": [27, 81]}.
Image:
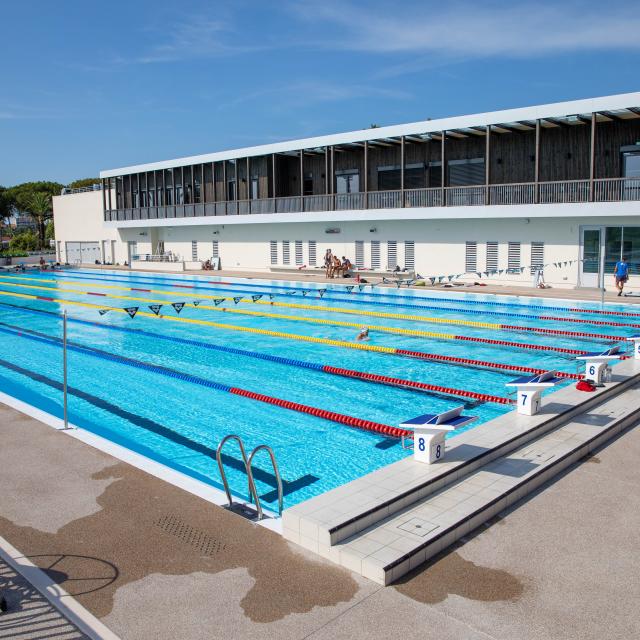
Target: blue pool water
{"type": "Point", "coordinates": [150, 383]}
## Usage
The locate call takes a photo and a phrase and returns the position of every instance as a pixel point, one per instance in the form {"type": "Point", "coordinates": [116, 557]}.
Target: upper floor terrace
{"type": "Point", "coordinates": [582, 151]}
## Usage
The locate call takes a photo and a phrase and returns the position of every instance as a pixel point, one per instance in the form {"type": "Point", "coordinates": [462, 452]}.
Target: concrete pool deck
{"type": "Point", "coordinates": [152, 561]}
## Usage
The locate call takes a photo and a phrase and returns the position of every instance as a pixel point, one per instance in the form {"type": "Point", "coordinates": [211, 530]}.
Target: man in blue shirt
{"type": "Point", "coordinates": [621, 272]}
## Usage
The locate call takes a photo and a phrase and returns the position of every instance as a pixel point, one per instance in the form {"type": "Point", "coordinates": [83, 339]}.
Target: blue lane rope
{"type": "Point", "coordinates": [349, 298]}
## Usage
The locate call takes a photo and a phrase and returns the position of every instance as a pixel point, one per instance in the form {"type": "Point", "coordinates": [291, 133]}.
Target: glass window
{"type": "Point", "coordinates": [591, 251]}
{"type": "Point", "coordinates": [612, 247]}
{"type": "Point", "coordinates": [348, 183]}
{"type": "Point", "coordinates": [631, 247]}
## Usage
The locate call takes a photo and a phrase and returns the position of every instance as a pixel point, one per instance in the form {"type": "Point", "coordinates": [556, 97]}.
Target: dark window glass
{"type": "Point", "coordinates": [612, 248]}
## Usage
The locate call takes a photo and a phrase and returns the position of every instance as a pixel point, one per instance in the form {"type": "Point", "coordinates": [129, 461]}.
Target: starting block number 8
{"type": "Point", "coordinates": [437, 451]}
{"type": "Point", "coordinates": [421, 444]}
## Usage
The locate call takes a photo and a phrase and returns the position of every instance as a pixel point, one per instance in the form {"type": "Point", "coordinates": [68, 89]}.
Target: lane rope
{"type": "Point", "coordinates": [367, 425]}
{"type": "Point", "coordinates": [395, 330]}
{"type": "Point", "coordinates": [349, 294]}
{"type": "Point", "coordinates": [443, 359]}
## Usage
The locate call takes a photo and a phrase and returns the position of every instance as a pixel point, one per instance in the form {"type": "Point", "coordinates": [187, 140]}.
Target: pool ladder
{"type": "Point", "coordinates": [253, 493]}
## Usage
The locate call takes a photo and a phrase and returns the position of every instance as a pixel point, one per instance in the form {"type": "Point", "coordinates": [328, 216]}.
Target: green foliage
{"type": "Point", "coordinates": [83, 182]}
{"type": "Point", "coordinates": [21, 194]}
{"type": "Point", "coordinates": [5, 204]}
{"type": "Point", "coordinates": [12, 253]}
{"type": "Point", "coordinates": [50, 232]}
{"type": "Point", "coordinates": [26, 241]}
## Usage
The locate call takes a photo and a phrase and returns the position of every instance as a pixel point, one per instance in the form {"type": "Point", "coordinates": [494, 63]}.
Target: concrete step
{"type": "Point", "coordinates": [330, 518]}
{"type": "Point", "coordinates": [397, 544]}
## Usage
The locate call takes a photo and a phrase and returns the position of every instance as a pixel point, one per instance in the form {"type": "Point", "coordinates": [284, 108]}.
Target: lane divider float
{"type": "Point", "coordinates": [431, 357]}
{"type": "Point", "coordinates": [351, 421]}
{"type": "Point", "coordinates": [350, 294]}
{"type": "Point", "coordinates": [395, 330]}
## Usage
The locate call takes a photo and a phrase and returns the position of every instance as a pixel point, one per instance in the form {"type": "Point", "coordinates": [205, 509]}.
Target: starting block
{"type": "Point", "coordinates": [636, 346]}
{"type": "Point", "coordinates": [597, 364]}
{"type": "Point", "coordinates": [429, 431]}
{"type": "Point", "coordinates": [529, 390]}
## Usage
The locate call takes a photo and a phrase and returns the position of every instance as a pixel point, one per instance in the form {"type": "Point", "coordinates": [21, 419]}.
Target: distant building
{"type": "Point", "coordinates": [506, 191]}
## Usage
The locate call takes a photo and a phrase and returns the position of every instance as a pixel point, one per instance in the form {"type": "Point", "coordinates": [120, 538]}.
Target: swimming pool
{"type": "Point", "coordinates": [171, 382]}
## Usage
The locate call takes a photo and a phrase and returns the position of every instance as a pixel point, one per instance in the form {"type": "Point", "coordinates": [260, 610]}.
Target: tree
{"type": "Point", "coordinates": [40, 209]}
{"type": "Point", "coordinates": [50, 232]}
{"type": "Point", "coordinates": [34, 199]}
{"type": "Point", "coordinates": [83, 182]}
{"type": "Point", "coordinates": [26, 241]}
{"type": "Point", "coordinates": [5, 210]}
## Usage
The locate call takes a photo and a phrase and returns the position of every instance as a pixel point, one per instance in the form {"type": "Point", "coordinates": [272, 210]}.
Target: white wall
{"type": "Point", "coordinates": [439, 243]}
{"type": "Point", "coordinates": [78, 218]}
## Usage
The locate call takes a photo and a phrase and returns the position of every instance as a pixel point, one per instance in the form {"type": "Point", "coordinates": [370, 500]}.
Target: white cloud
{"type": "Point", "coordinates": [466, 29]}
{"type": "Point", "coordinates": [195, 38]}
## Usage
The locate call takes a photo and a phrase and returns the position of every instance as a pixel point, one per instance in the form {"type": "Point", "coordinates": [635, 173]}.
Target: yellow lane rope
{"type": "Point", "coordinates": [291, 305]}
{"type": "Point", "coordinates": [231, 327]}
{"type": "Point", "coordinates": [262, 314]}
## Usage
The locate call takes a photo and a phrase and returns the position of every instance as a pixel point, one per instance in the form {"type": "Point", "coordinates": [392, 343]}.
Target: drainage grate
{"type": "Point", "coordinates": [195, 538]}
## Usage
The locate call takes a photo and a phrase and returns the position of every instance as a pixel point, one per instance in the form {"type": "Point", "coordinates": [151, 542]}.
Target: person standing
{"type": "Point", "coordinates": [621, 273]}
{"type": "Point", "coordinates": [328, 262]}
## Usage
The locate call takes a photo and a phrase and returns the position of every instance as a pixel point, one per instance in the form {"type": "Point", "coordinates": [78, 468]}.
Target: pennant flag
{"type": "Point", "coordinates": [237, 299]}
{"type": "Point", "coordinates": [218, 301]}
{"type": "Point", "coordinates": [479, 274]}
{"type": "Point", "coordinates": [103, 311]}
{"type": "Point", "coordinates": [349, 288]}
{"type": "Point", "coordinates": [360, 287]}
{"type": "Point", "coordinates": [486, 274]}
{"type": "Point", "coordinates": [196, 302]}
{"type": "Point", "coordinates": [271, 296]}
{"type": "Point", "coordinates": [440, 278]}
{"type": "Point", "coordinates": [155, 308]}
{"type": "Point", "coordinates": [131, 311]}
{"type": "Point", "coordinates": [304, 293]}
{"type": "Point", "coordinates": [432, 280]}
{"type": "Point", "coordinates": [256, 297]}
{"type": "Point", "coordinates": [449, 278]}
{"type": "Point", "coordinates": [177, 306]}
{"type": "Point", "coordinates": [322, 291]}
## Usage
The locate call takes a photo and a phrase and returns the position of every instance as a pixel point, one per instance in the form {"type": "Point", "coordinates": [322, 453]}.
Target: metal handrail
{"type": "Point", "coordinates": [269, 450]}
{"type": "Point", "coordinates": [252, 487]}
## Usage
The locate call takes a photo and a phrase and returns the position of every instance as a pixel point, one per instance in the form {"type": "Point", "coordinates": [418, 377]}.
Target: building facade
{"type": "Point", "coordinates": [488, 195]}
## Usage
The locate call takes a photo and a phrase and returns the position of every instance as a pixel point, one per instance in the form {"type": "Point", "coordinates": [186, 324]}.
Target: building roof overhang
{"type": "Point", "coordinates": [619, 107]}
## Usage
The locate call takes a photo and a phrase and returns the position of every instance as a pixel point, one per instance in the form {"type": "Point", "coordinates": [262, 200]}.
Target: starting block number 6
{"type": "Point", "coordinates": [592, 370]}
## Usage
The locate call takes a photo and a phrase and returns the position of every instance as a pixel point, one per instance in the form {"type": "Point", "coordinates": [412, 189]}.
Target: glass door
{"type": "Point", "coordinates": [590, 243]}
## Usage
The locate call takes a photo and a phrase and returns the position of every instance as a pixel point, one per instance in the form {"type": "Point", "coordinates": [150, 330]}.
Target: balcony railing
{"type": "Point", "coordinates": [603, 190]}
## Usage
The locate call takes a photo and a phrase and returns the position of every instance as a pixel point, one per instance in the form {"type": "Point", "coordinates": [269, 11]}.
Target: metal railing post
{"type": "Point", "coordinates": [64, 370]}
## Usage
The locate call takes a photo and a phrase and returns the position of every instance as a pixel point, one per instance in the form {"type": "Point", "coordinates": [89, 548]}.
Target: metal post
{"type": "Point", "coordinates": [487, 165]}
{"type": "Point", "coordinates": [443, 169]}
{"type": "Point", "coordinates": [64, 369]}
{"type": "Point", "coordinates": [592, 157]}
{"type": "Point", "coordinates": [331, 176]}
{"type": "Point", "coordinates": [274, 191]}
{"type": "Point", "coordinates": [402, 163]}
{"type": "Point", "coordinates": [601, 266]}
{"type": "Point", "coordinates": [536, 171]}
{"type": "Point", "coordinates": [104, 197]}
{"type": "Point", "coordinates": [225, 187]}
{"type": "Point", "coordinates": [366, 174]}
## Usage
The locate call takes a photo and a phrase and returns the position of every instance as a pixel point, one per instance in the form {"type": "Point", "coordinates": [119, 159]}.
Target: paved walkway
{"type": "Point", "coordinates": [30, 616]}
{"type": "Point", "coordinates": [154, 562]}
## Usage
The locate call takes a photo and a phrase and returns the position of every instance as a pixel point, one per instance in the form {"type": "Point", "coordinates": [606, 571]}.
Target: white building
{"type": "Point", "coordinates": [477, 194]}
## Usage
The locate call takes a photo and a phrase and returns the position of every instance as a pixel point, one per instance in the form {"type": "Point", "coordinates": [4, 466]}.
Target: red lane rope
{"type": "Point", "coordinates": [557, 332]}
{"type": "Point", "coordinates": [601, 323]}
{"type": "Point", "coordinates": [626, 314]}
{"type": "Point", "coordinates": [521, 345]}
{"type": "Point", "coordinates": [367, 425]}
{"type": "Point", "coordinates": [399, 382]}
{"type": "Point", "coordinates": [483, 363]}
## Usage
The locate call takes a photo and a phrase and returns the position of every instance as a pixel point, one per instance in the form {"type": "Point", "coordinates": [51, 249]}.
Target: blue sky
{"type": "Point", "coordinates": [89, 86]}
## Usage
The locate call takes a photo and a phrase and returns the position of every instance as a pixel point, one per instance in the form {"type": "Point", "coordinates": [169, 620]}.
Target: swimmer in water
{"type": "Point", "coordinates": [363, 335]}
